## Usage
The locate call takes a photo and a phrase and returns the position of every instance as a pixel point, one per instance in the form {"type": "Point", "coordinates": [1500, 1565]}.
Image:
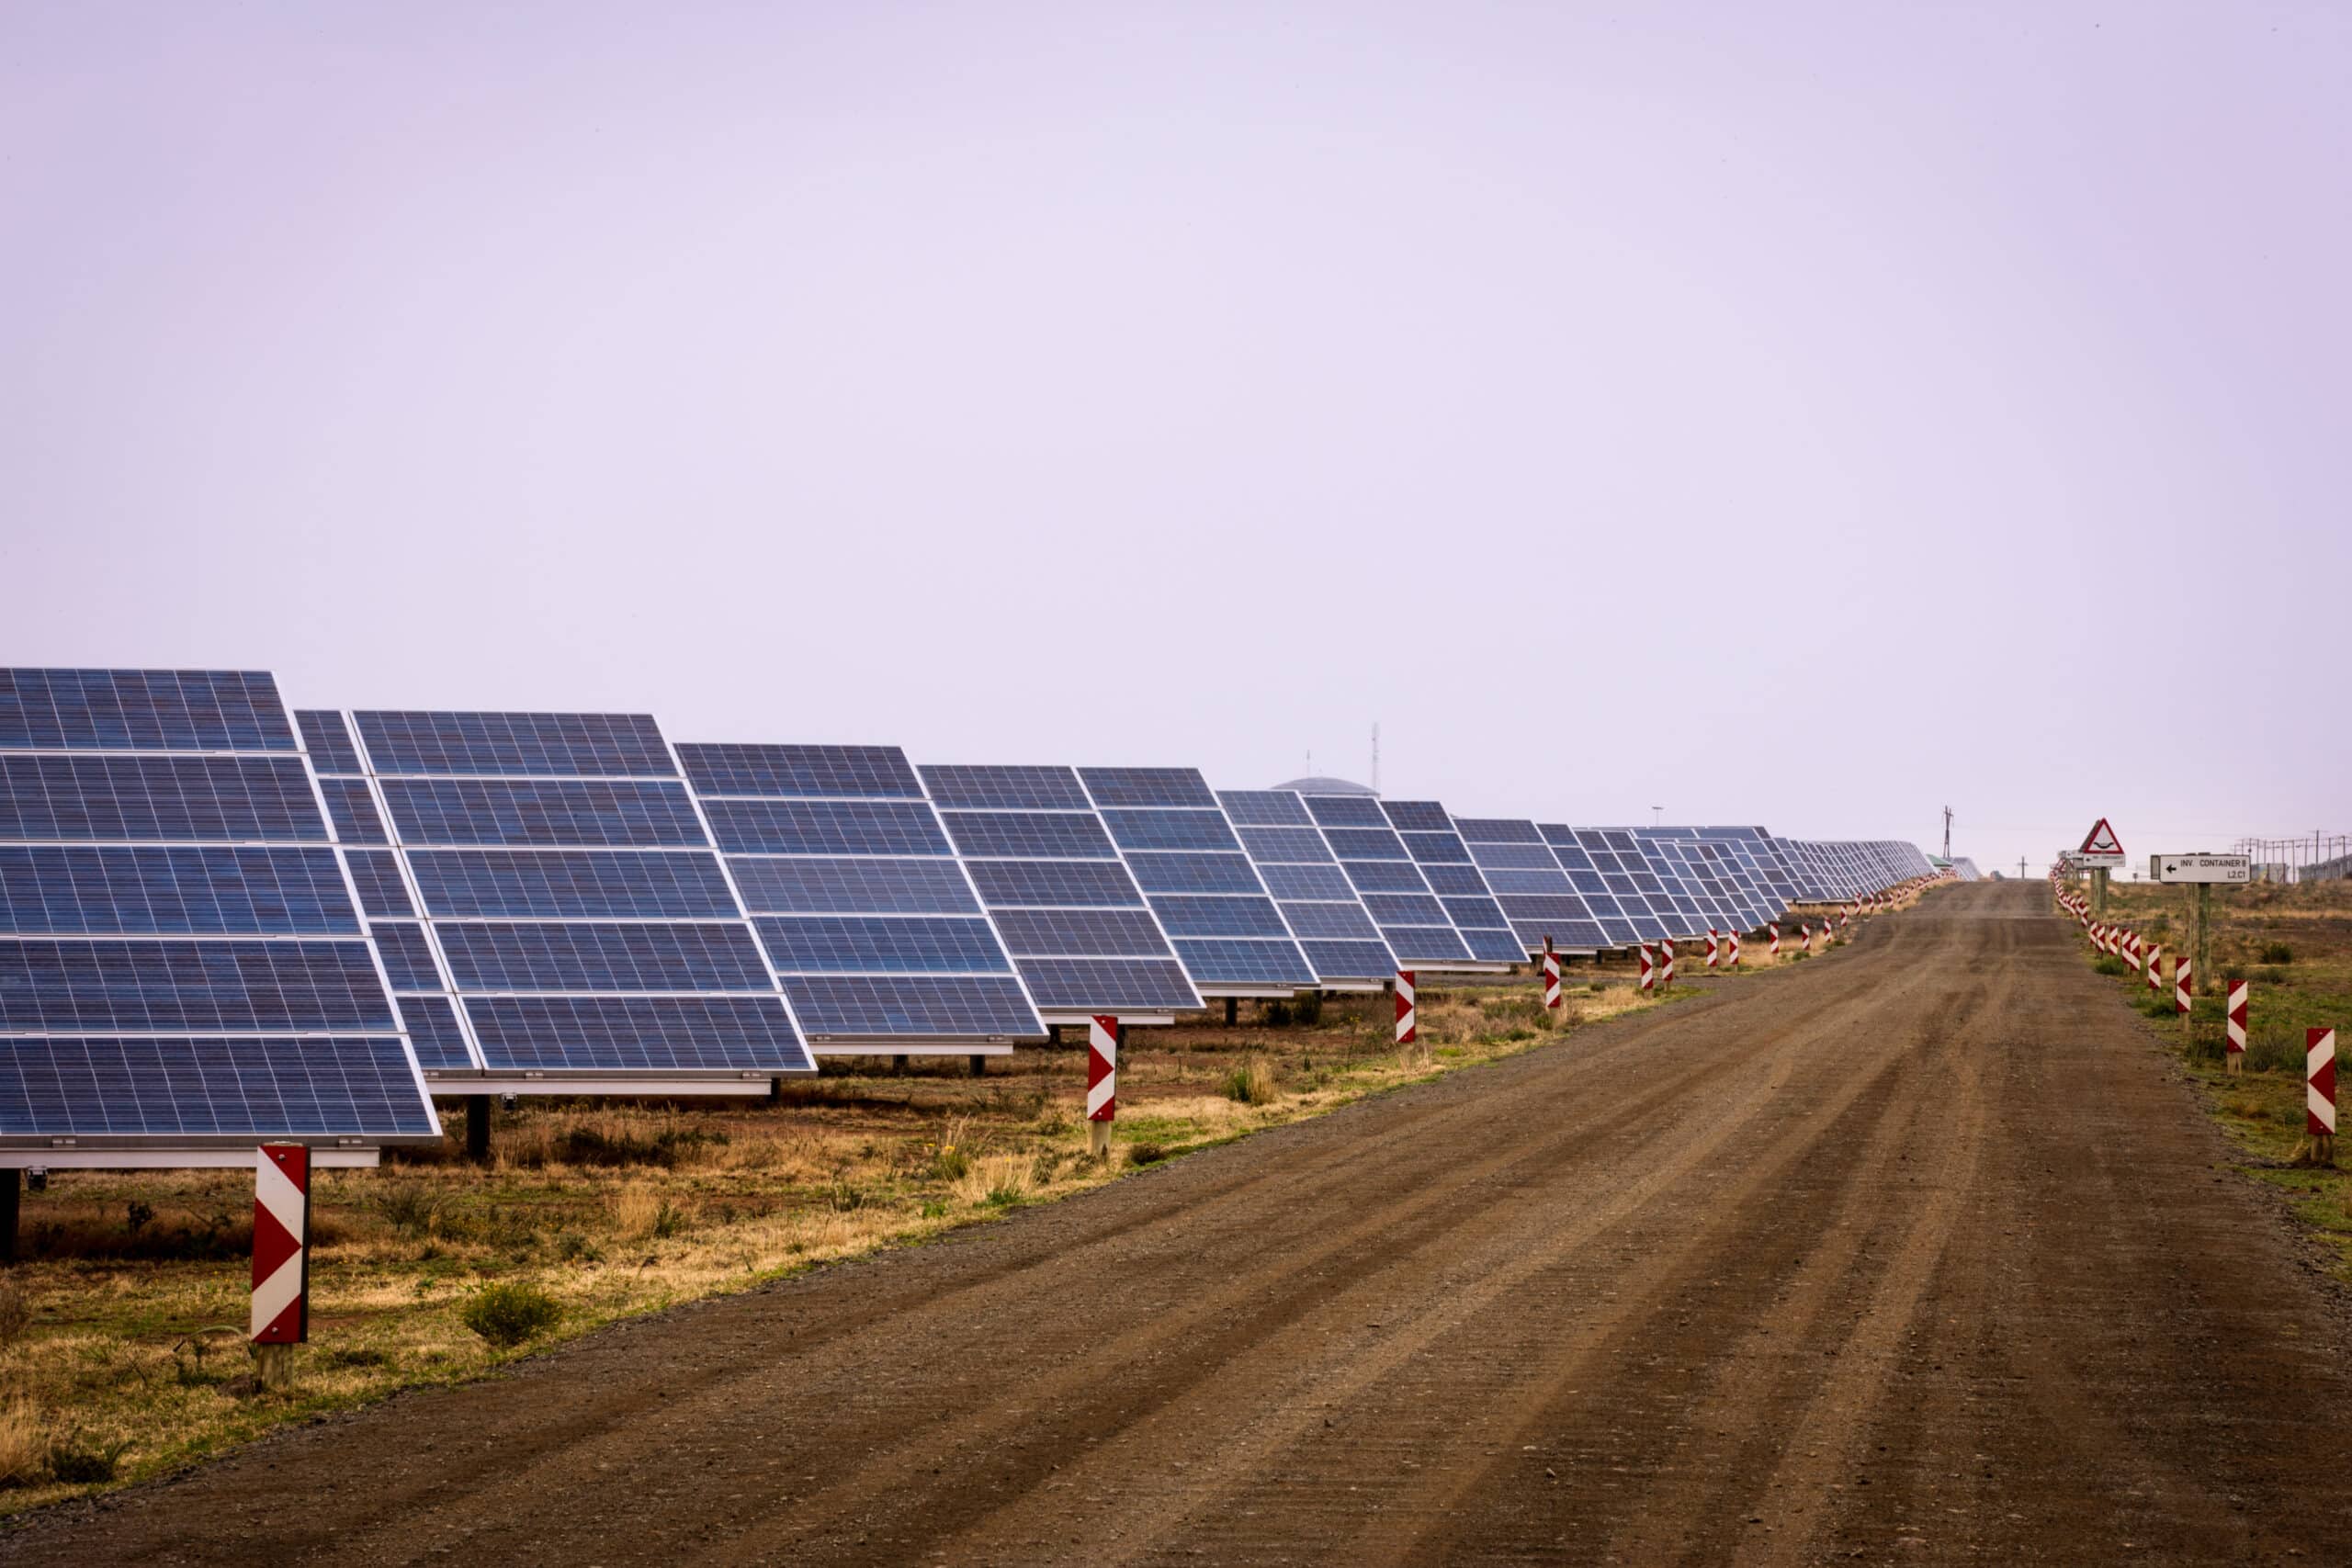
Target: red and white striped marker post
{"type": "Point", "coordinates": [1407, 1024]}
{"type": "Point", "coordinates": [281, 1259]}
{"type": "Point", "coordinates": [2184, 988]}
{"type": "Point", "coordinates": [2234, 1048]}
{"type": "Point", "coordinates": [1805, 929]}
{"type": "Point", "coordinates": [1649, 970]}
{"type": "Point", "coordinates": [2155, 968]}
{"type": "Point", "coordinates": [1666, 974]}
{"type": "Point", "coordinates": [1731, 945]}
{"type": "Point", "coordinates": [1550, 976]}
{"type": "Point", "coordinates": [2319, 1093]}
{"type": "Point", "coordinates": [1101, 1081]}
{"type": "Point", "coordinates": [1714, 948]}
{"type": "Point", "coordinates": [1773, 943]}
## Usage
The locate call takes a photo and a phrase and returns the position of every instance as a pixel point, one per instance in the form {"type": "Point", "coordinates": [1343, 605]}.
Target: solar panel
{"type": "Point", "coordinates": [1077, 926]}
{"type": "Point", "coordinates": [574, 926]}
{"type": "Point", "coordinates": [803, 825]}
{"type": "Point", "coordinates": [184, 971]}
{"type": "Point", "coordinates": [1317, 900]}
{"type": "Point", "coordinates": [1530, 885]}
{"type": "Point", "coordinates": [1451, 871]}
{"type": "Point", "coordinates": [1199, 880]}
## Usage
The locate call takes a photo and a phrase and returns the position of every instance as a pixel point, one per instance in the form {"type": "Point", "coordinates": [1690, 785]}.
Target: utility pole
{"type": "Point", "coordinates": [1946, 832]}
{"type": "Point", "coordinates": [1657, 816]}
{"type": "Point", "coordinates": [2020, 868]}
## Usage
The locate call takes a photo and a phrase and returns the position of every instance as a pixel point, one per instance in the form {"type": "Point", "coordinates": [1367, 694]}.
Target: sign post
{"type": "Point", "coordinates": [2100, 853]}
{"type": "Point", "coordinates": [2319, 1093]}
{"type": "Point", "coordinates": [281, 1318]}
{"type": "Point", "coordinates": [2202, 871]}
{"type": "Point", "coordinates": [1101, 1081]}
{"type": "Point", "coordinates": [1407, 1025]}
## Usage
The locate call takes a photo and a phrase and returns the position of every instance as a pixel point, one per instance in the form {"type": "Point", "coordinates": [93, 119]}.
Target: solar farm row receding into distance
{"type": "Point", "coordinates": [223, 921]}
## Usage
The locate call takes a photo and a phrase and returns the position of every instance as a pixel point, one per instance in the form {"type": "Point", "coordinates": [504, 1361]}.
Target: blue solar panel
{"type": "Point", "coordinates": [1108, 984]}
{"type": "Point", "coordinates": [1528, 880]}
{"type": "Point", "coordinates": [142, 710]}
{"type": "Point", "coordinates": [1181, 915]}
{"type": "Point", "coordinates": [1469, 913]}
{"type": "Point", "coordinates": [637, 1033]}
{"type": "Point", "coordinates": [1437, 849]}
{"type": "Point", "coordinates": [1494, 946]}
{"type": "Point", "coordinates": [1571, 933]}
{"type": "Point", "coordinates": [1365, 843]}
{"type": "Point", "coordinates": [1278, 844]}
{"type": "Point", "coordinates": [875, 1007]}
{"type": "Point", "coordinates": [1146, 786]}
{"type": "Point", "coordinates": [1006, 789]}
{"type": "Point", "coordinates": [1323, 881]}
{"type": "Point", "coordinates": [328, 740]}
{"type": "Point", "coordinates": [1082, 933]}
{"type": "Point", "coordinates": [1055, 883]}
{"type": "Point", "coordinates": [108, 798]}
{"type": "Point", "coordinates": [1405, 909]}
{"type": "Point", "coordinates": [158, 890]}
{"type": "Point", "coordinates": [597, 956]}
{"type": "Point", "coordinates": [1588, 882]}
{"type": "Point", "coordinates": [826, 827]}
{"type": "Point", "coordinates": [872, 771]}
{"type": "Point", "coordinates": [1425, 944]}
{"type": "Point", "coordinates": [1563, 911]}
{"type": "Point", "coordinates": [852, 887]}
{"type": "Point", "coordinates": [407, 954]}
{"type": "Point", "coordinates": [1264, 808]}
{"type": "Point", "coordinates": [1572, 857]}
{"type": "Point", "coordinates": [170, 987]}
{"type": "Point", "coordinates": [1225, 962]}
{"type": "Point", "coordinates": [1497, 830]}
{"type": "Point", "coordinates": [1347, 810]}
{"type": "Point", "coordinates": [1518, 857]}
{"type": "Point", "coordinates": [376, 875]}
{"type": "Point", "coordinates": [544, 743]}
{"type": "Point", "coordinates": [890, 944]}
{"type": "Point", "coordinates": [1418, 817]}
{"type": "Point", "coordinates": [1193, 873]}
{"type": "Point", "coordinates": [1170, 830]}
{"type": "Point", "coordinates": [1384, 877]}
{"type": "Point", "coordinates": [1331, 922]}
{"type": "Point", "coordinates": [1455, 881]}
{"type": "Point", "coordinates": [248, 1089]}
{"type": "Point", "coordinates": [432, 1026]}
{"type": "Point", "coordinates": [1350, 960]}
{"type": "Point", "coordinates": [353, 811]}
{"type": "Point", "coordinates": [1021, 835]}
{"type": "Point", "coordinates": [573, 813]}
{"type": "Point", "coordinates": [572, 884]}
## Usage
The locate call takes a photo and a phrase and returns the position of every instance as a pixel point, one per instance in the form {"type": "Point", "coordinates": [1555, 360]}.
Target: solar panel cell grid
{"type": "Point", "coordinates": [220, 1087]}
{"type": "Point", "coordinates": [1005, 789]}
{"type": "Point", "coordinates": [432, 1027]}
{"type": "Point", "coordinates": [825, 826]}
{"type": "Point", "coordinates": [1055, 883]}
{"type": "Point", "coordinates": [1354, 960]}
{"type": "Point", "coordinates": [1146, 786]}
{"type": "Point", "coordinates": [80, 889]}
{"type": "Point", "coordinates": [1436, 849]}
{"type": "Point", "coordinates": [1278, 844]}
{"type": "Point", "coordinates": [576, 956]}
{"type": "Point", "coordinates": [1418, 815]}
{"type": "Point", "coordinates": [114, 799]}
{"type": "Point", "coordinates": [376, 875]}
{"type": "Point", "coordinates": [891, 944]}
{"type": "Point", "coordinates": [1029, 835]}
{"type": "Point", "coordinates": [871, 1007]}
{"type": "Point", "coordinates": [142, 710]}
{"type": "Point", "coordinates": [1331, 922]}
{"type": "Point", "coordinates": [353, 811]}
{"type": "Point", "coordinates": [572, 884]}
{"type": "Point", "coordinates": [1170, 830]}
{"type": "Point", "coordinates": [551, 744]}
{"type": "Point", "coordinates": [1265, 808]}
{"type": "Point", "coordinates": [1365, 843]}
{"type": "Point", "coordinates": [328, 740]}
{"type": "Point", "coordinates": [570, 813]}
{"type": "Point", "coordinates": [872, 771]}
{"type": "Point", "coordinates": [855, 886]}
{"type": "Point", "coordinates": [1082, 933]}
{"type": "Point", "coordinates": [1455, 881]}
{"type": "Point", "coordinates": [1158, 873]}
{"type": "Point", "coordinates": [1384, 877]}
{"type": "Point", "coordinates": [408, 956]}
{"type": "Point", "coordinates": [1318, 882]}
{"type": "Point", "coordinates": [636, 1033]}
{"type": "Point", "coordinates": [1108, 984]}
{"type": "Point", "coordinates": [1228, 961]}
{"type": "Point", "coordinates": [131, 985]}
{"type": "Point", "coordinates": [1192, 915]}
{"type": "Point", "coordinates": [1346, 811]}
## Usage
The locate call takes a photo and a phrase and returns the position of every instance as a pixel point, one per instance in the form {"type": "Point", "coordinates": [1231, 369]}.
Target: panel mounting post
{"type": "Point", "coordinates": [477, 1128]}
{"type": "Point", "coordinates": [11, 1185]}
{"type": "Point", "coordinates": [980, 1066]}
{"type": "Point", "coordinates": [1232, 1011]}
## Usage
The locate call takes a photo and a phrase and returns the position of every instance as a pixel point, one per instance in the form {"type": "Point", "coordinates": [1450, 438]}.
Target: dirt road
{"type": "Point", "coordinates": [1917, 1254]}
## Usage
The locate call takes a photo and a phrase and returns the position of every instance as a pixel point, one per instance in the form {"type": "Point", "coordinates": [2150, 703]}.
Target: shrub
{"type": "Point", "coordinates": [2277, 953]}
{"type": "Point", "coordinates": [2111, 966]}
{"type": "Point", "coordinates": [571, 1247]}
{"type": "Point", "coordinates": [1595, 987]}
{"type": "Point", "coordinates": [1277, 1015]}
{"type": "Point", "coordinates": [506, 1315]}
{"type": "Point", "coordinates": [1251, 1083]}
{"type": "Point", "coordinates": [2271, 976]}
{"type": "Point", "coordinates": [1307, 1008]}
{"type": "Point", "coordinates": [412, 1208]}
{"type": "Point", "coordinates": [70, 1461]}
{"type": "Point", "coordinates": [1147, 1153]}
{"type": "Point", "coordinates": [24, 1448]}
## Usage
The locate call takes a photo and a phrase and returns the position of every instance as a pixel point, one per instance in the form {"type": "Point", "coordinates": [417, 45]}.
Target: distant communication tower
{"type": "Point", "coordinates": [1946, 832]}
{"type": "Point", "coordinates": [1375, 756]}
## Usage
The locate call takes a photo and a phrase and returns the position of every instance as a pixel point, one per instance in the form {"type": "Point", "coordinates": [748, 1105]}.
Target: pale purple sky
{"type": "Point", "coordinates": [1798, 414]}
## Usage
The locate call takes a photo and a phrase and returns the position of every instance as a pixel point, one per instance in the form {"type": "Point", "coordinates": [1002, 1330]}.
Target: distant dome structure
{"type": "Point", "coordinates": [1327, 787]}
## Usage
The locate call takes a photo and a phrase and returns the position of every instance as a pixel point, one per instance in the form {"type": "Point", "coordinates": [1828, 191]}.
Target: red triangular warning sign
{"type": "Point", "coordinates": [2101, 840]}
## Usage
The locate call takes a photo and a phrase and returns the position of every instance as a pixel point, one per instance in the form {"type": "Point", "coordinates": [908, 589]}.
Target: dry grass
{"type": "Point", "coordinates": [131, 1305]}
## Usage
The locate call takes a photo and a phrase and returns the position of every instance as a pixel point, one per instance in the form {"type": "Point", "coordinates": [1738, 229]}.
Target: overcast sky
{"type": "Point", "coordinates": [1801, 415]}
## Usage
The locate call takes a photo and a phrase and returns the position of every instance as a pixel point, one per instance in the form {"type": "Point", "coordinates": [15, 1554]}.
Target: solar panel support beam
{"type": "Point", "coordinates": [1232, 1011]}
{"type": "Point", "coordinates": [11, 1186]}
{"type": "Point", "coordinates": [980, 1066]}
{"type": "Point", "coordinates": [477, 1128]}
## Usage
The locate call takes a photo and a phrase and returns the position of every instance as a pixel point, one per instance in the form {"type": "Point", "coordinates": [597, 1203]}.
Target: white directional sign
{"type": "Point", "coordinates": [2200, 868]}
